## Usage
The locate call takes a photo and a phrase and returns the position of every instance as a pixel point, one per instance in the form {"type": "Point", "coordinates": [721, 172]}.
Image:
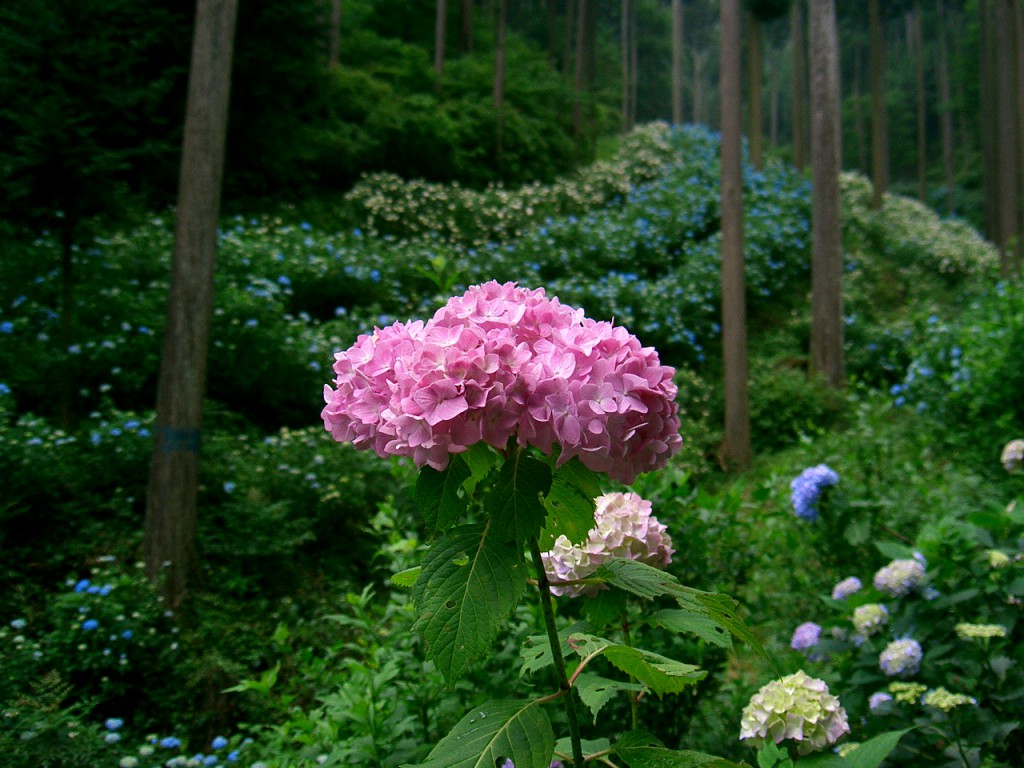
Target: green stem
{"type": "Point", "coordinates": [556, 653]}
{"type": "Point", "coordinates": [632, 694]}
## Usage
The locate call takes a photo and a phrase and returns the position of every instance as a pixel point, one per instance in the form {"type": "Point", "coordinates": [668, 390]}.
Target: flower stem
{"type": "Point", "coordinates": [556, 653]}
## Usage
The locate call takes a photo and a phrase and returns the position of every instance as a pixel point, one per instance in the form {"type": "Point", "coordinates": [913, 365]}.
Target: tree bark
{"type": "Point", "coordinates": [945, 108]}
{"type": "Point", "coordinates": [879, 116]}
{"type": "Point", "coordinates": [633, 64]}
{"type": "Point", "coordinates": [1007, 143]}
{"type": "Point", "coordinates": [499, 82]}
{"type": "Point", "coordinates": [799, 43]}
{"type": "Point", "coordinates": [581, 61]}
{"type": "Point", "coordinates": [171, 500]}
{"type": "Point", "coordinates": [467, 26]}
{"type": "Point", "coordinates": [626, 79]}
{"type": "Point", "coordinates": [755, 73]}
{"type": "Point", "coordinates": [698, 87]}
{"type": "Point", "coordinates": [736, 448]}
{"type": "Point", "coordinates": [334, 38]}
{"type": "Point", "coordinates": [826, 234]}
{"type": "Point", "coordinates": [922, 134]}
{"type": "Point", "coordinates": [677, 62]}
{"type": "Point", "coordinates": [570, 28]}
{"type": "Point", "coordinates": [858, 110]}
{"type": "Point", "coordinates": [440, 31]}
{"type": "Point", "coordinates": [1018, 33]}
{"type": "Point", "coordinates": [989, 124]}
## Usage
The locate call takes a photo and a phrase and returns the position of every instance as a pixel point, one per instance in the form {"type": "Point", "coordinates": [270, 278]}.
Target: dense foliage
{"type": "Point", "coordinates": [299, 535]}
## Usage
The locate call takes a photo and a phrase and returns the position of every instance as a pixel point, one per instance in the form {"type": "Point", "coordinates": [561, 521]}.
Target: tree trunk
{"type": "Point", "coordinates": [698, 87]}
{"type": "Point", "coordinates": [171, 500]}
{"type": "Point", "coordinates": [467, 26]}
{"type": "Point", "coordinates": [580, 78]}
{"type": "Point", "coordinates": [440, 30]}
{"type": "Point", "coordinates": [626, 79]}
{"type": "Point", "coordinates": [879, 117]}
{"type": "Point", "coordinates": [858, 110]}
{"type": "Point", "coordinates": [736, 450]}
{"type": "Point", "coordinates": [570, 28]}
{"type": "Point", "coordinates": [989, 129]}
{"type": "Point", "coordinates": [1018, 33]}
{"type": "Point", "coordinates": [799, 43]}
{"type": "Point", "coordinates": [826, 233]}
{"type": "Point", "coordinates": [499, 82]}
{"type": "Point", "coordinates": [755, 72]}
{"type": "Point", "coordinates": [633, 64]}
{"type": "Point", "coordinates": [922, 135]}
{"type": "Point", "coordinates": [945, 107]}
{"type": "Point", "coordinates": [334, 37]}
{"type": "Point", "coordinates": [1007, 143]}
{"type": "Point", "coordinates": [677, 62]}
{"type": "Point", "coordinates": [774, 94]}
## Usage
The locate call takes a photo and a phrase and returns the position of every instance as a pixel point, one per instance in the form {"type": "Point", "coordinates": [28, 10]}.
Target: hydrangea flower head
{"type": "Point", "coordinates": [806, 636]}
{"type": "Point", "coordinates": [503, 361]}
{"type": "Point", "coordinates": [980, 631]}
{"type": "Point", "coordinates": [623, 527]}
{"type": "Point", "coordinates": [901, 658]}
{"type": "Point", "coordinates": [946, 700]}
{"type": "Point", "coordinates": [807, 488]}
{"type": "Point", "coordinates": [846, 587]}
{"type": "Point", "coordinates": [900, 577]}
{"type": "Point", "coordinates": [878, 699]}
{"type": "Point", "coordinates": [869, 619]}
{"type": "Point", "coordinates": [1012, 457]}
{"type": "Point", "coordinates": [908, 693]}
{"type": "Point", "coordinates": [796, 707]}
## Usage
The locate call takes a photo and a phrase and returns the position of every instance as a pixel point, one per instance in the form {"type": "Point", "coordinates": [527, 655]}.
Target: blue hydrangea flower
{"type": "Point", "coordinates": [901, 658]}
{"type": "Point", "coordinates": [82, 585]}
{"type": "Point", "coordinates": [19, 624]}
{"type": "Point", "coordinates": [113, 723]}
{"type": "Point", "coordinates": [170, 742]}
{"type": "Point", "coordinates": [807, 487]}
{"type": "Point", "coordinates": [220, 742]}
{"type": "Point", "coordinates": [846, 587]}
{"type": "Point", "coordinates": [90, 624]}
{"type": "Point", "coordinates": [806, 636]}
{"type": "Point", "coordinates": [111, 738]}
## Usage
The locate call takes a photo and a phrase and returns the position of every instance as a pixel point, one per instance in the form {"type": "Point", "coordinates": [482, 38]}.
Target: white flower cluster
{"type": "Point", "coordinates": [796, 707]}
{"type": "Point", "coordinates": [1012, 457]}
{"type": "Point", "coordinates": [869, 619]}
{"type": "Point", "coordinates": [623, 527]}
{"type": "Point", "coordinates": [900, 577]}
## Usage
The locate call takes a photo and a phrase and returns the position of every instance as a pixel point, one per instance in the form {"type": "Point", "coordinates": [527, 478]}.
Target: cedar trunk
{"type": "Point", "coordinates": [677, 62]}
{"type": "Point", "coordinates": [799, 42]}
{"type": "Point", "coordinates": [756, 74]}
{"type": "Point", "coordinates": [736, 450]}
{"type": "Point", "coordinates": [879, 113]}
{"type": "Point", "coordinates": [826, 237]}
{"type": "Point", "coordinates": [171, 501]}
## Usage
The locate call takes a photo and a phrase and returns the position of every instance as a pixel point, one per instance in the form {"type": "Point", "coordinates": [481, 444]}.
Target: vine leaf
{"type": "Point", "coordinates": [596, 691]}
{"type": "Point", "coordinates": [514, 504]}
{"type": "Point", "coordinates": [516, 730]}
{"type": "Point", "coordinates": [437, 494]}
{"type": "Point", "coordinates": [468, 584]}
{"type": "Point", "coordinates": [659, 673]}
{"type": "Point", "coordinates": [570, 503]}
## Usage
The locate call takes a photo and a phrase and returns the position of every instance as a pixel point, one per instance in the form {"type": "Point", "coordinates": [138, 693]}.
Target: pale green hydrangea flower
{"type": "Point", "coordinates": [908, 693]}
{"type": "Point", "coordinates": [797, 707]}
{"type": "Point", "coordinates": [946, 700]}
{"type": "Point", "coordinates": [869, 619]}
{"type": "Point", "coordinates": [978, 631]}
{"type": "Point", "coordinates": [997, 559]}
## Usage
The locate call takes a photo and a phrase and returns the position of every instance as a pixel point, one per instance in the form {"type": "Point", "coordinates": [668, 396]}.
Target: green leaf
{"type": "Point", "coordinates": [858, 531]}
{"type": "Point", "coordinates": [605, 608]}
{"type": "Point", "coordinates": [894, 551]}
{"type": "Point", "coordinates": [659, 673]}
{"type": "Point", "coordinates": [480, 458]}
{"type": "Point", "coordinates": [722, 610]}
{"type": "Point", "coordinates": [596, 691]}
{"type": "Point", "coordinates": [406, 578]}
{"type": "Point", "coordinates": [564, 746]}
{"type": "Point", "coordinates": [680, 620]}
{"type": "Point", "coordinates": [637, 578]}
{"type": "Point", "coordinates": [469, 583]}
{"type": "Point", "coordinates": [437, 494]}
{"type": "Point", "coordinates": [517, 730]}
{"type": "Point", "coordinates": [536, 650]}
{"type": "Point", "coordinates": [641, 750]}
{"type": "Point", "coordinates": [570, 503]}
{"type": "Point", "coordinates": [872, 752]}
{"type": "Point", "coordinates": [514, 504]}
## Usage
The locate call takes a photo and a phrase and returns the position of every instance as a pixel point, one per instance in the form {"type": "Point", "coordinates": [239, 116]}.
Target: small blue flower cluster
{"type": "Point", "coordinates": [807, 488]}
{"type": "Point", "coordinates": [901, 658]}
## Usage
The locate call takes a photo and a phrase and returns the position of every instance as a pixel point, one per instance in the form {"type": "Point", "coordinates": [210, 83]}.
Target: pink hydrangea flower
{"type": "Point", "coordinates": [503, 361]}
{"type": "Point", "coordinates": [623, 527]}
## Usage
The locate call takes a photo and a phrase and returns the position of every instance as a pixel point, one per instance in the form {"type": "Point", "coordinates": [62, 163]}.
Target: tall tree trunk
{"type": "Point", "coordinates": [570, 30]}
{"type": "Point", "coordinates": [499, 82]}
{"type": "Point", "coordinates": [440, 30]}
{"type": "Point", "coordinates": [677, 62]}
{"type": "Point", "coordinates": [698, 87]}
{"type": "Point", "coordinates": [879, 117]}
{"type": "Point", "coordinates": [1018, 34]}
{"type": "Point", "coordinates": [945, 107]}
{"type": "Point", "coordinates": [922, 135]}
{"type": "Point", "coordinates": [581, 65]}
{"type": "Point", "coordinates": [334, 36]}
{"type": "Point", "coordinates": [633, 64]}
{"type": "Point", "coordinates": [858, 109]}
{"type": "Point", "coordinates": [755, 73]}
{"type": "Point", "coordinates": [171, 500]}
{"type": "Point", "coordinates": [466, 30]}
{"type": "Point", "coordinates": [799, 42]}
{"type": "Point", "coordinates": [774, 95]}
{"type": "Point", "coordinates": [626, 79]}
{"type": "Point", "coordinates": [826, 237]}
{"type": "Point", "coordinates": [987, 111]}
{"type": "Point", "coordinates": [1008, 141]}
{"type": "Point", "coordinates": [736, 449]}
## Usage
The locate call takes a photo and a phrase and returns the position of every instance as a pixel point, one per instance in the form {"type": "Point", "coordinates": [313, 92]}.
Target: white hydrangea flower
{"type": "Point", "coordinates": [846, 587]}
{"type": "Point", "coordinates": [901, 658]}
{"type": "Point", "coordinates": [869, 619]}
{"type": "Point", "coordinates": [797, 707]}
{"type": "Point", "coordinates": [900, 577]}
{"type": "Point", "coordinates": [1013, 455]}
{"type": "Point", "coordinates": [623, 527]}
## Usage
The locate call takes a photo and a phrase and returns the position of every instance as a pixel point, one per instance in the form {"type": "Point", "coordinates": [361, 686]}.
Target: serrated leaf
{"type": "Point", "coordinates": [469, 583]}
{"type": "Point", "coordinates": [659, 757]}
{"type": "Point", "coordinates": [722, 610]}
{"type": "Point", "coordinates": [680, 620]}
{"type": "Point", "coordinates": [437, 494]}
{"type": "Point", "coordinates": [570, 503]}
{"type": "Point", "coordinates": [659, 673]}
{"type": "Point", "coordinates": [406, 578]}
{"type": "Point", "coordinates": [596, 691]}
{"type": "Point", "coordinates": [480, 458]}
{"type": "Point", "coordinates": [605, 608]}
{"type": "Point", "coordinates": [516, 730]}
{"type": "Point", "coordinates": [636, 578]}
{"type": "Point", "coordinates": [536, 650]}
{"type": "Point", "coordinates": [514, 504]}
